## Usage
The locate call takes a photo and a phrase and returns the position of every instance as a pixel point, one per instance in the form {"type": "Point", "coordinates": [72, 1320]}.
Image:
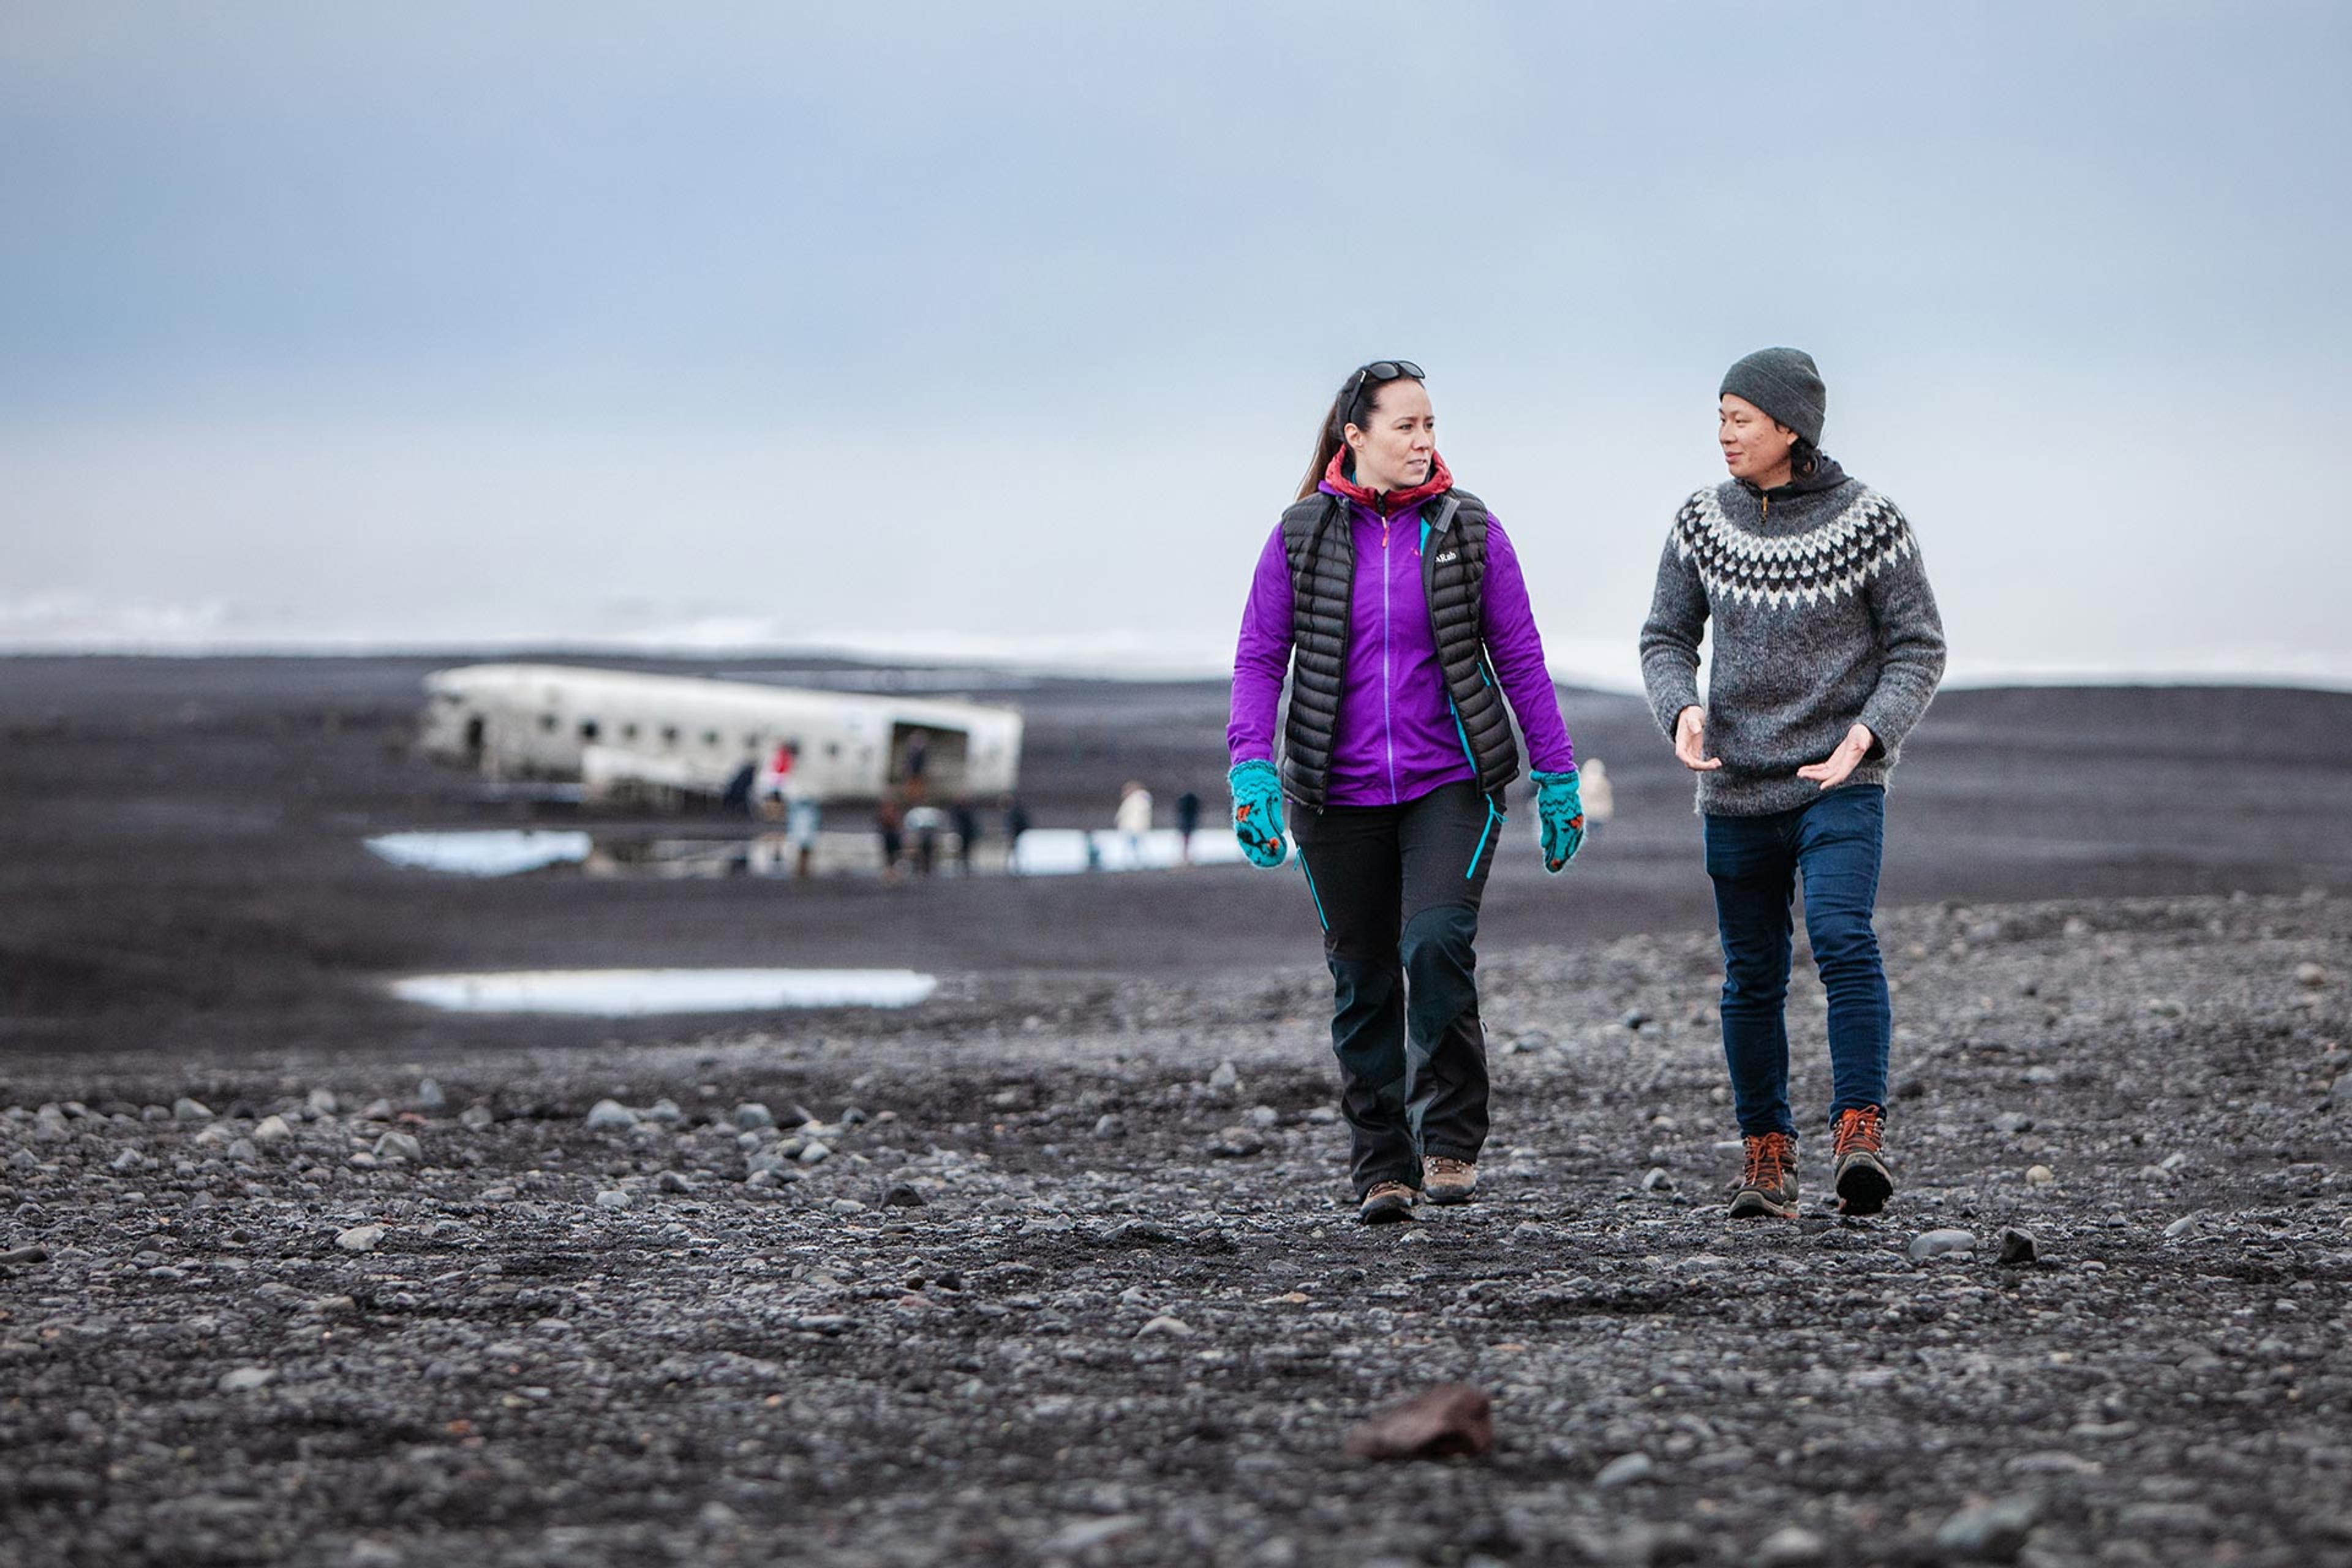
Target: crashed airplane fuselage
{"type": "Point", "coordinates": [663, 737]}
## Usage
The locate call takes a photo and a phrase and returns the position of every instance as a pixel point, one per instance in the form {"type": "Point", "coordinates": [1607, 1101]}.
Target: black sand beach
{"type": "Point", "coordinates": [182, 846]}
{"type": "Point", "coordinates": [1055, 1267]}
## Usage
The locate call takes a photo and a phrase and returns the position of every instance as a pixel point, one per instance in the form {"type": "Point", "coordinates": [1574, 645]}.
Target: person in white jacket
{"type": "Point", "coordinates": [1133, 819]}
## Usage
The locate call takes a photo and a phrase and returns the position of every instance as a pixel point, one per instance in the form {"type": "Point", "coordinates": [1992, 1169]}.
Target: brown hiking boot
{"type": "Point", "coordinates": [1860, 1176]}
{"type": "Point", "coordinates": [1767, 1184]}
{"type": "Point", "coordinates": [1387, 1203]}
{"type": "Point", "coordinates": [1445, 1180]}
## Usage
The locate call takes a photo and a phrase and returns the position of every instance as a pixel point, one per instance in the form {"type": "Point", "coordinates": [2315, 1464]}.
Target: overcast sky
{"type": "Point", "coordinates": [944, 327]}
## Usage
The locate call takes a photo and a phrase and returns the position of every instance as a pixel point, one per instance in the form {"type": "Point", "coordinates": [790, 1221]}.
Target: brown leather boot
{"type": "Point", "coordinates": [1863, 1180]}
{"type": "Point", "coordinates": [1387, 1203]}
{"type": "Point", "coordinates": [1768, 1185]}
{"type": "Point", "coordinates": [1446, 1180]}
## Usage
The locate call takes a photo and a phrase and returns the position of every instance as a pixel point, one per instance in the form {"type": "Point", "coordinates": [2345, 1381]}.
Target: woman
{"type": "Point", "coordinates": [1827, 650]}
{"type": "Point", "coordinates": [1393, 603]}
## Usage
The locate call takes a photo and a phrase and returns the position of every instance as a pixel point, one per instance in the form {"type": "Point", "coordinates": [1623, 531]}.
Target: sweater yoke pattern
{"type": "Point", "coordinates": [1821, 564]}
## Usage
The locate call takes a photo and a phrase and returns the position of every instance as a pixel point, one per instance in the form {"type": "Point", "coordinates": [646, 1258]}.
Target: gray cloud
{"type": "Point", "coordinates": [593, 295]}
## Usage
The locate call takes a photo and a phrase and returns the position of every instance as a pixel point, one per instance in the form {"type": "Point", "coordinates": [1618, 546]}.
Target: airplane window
{"type": "Point", "coordinates": [587, 729]}
{"type": "Point", "coordinates": [833, 748]}
{"type": "Point", "coordinates": [711, 737]}
{"type": "Point", "coordinates": [547, 722]}
{"type": "Point", "coordinates": [628, 731]}
{"type": "Point", "coordinates": [670, 735]}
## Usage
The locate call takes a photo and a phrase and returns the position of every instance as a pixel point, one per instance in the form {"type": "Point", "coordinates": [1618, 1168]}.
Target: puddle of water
{"type": "Point", "coordinates": [636, 993]}
{"type": "Point", "coordinates": [492, 854]}
{"type": "Point", "coordinates": [1068, 851]}
{"type": "Point", "coordinates": [1044, 852]}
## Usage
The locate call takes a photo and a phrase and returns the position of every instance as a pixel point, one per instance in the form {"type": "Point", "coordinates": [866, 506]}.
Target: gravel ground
{"type": "Point", "coordinates": [1062, 1271]}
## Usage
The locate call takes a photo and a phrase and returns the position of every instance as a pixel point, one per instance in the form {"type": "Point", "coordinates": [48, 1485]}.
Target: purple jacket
{"type": "Point", "coordinates": [1396, 739]}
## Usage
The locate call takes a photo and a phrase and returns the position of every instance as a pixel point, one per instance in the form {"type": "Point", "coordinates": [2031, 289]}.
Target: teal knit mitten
{"type": "Point", "coordinates": [1258, 813]}
{"type": "Point", "coordinates": [1560, 812]}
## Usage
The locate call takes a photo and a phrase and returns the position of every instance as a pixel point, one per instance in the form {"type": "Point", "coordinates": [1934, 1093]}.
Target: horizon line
{"type": "Point", "coordinates": [1059, 660]}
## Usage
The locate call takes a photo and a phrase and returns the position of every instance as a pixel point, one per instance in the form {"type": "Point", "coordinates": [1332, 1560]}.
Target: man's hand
{"type": "Point", "coordinates": [1690, 740]}
{"type": "Point", "coordinates": [1833, 771]}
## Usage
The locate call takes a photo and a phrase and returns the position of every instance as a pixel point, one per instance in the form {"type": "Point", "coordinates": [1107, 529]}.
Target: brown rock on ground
{"type": "Point", "coordinates": [1436, 1424]}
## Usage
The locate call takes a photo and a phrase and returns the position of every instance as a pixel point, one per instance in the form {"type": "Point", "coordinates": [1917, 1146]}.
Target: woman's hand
{"type": "Point", "coordinates": [1559, 817]}
{"type": "Point", "coordinates": [1690, 740]}
{"type": "Point", "coordinates": [1258, 813]}
{"type": "Point", "coordinates": [1832, 772]}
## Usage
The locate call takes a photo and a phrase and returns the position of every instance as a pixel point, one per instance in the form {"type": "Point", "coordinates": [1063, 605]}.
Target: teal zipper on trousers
{"type": "Point", "coordinates": [1493, 816]}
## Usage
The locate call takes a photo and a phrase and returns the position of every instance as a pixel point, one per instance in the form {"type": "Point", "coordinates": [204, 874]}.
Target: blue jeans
{"type": "Point", "coordinates": [1834, 844]}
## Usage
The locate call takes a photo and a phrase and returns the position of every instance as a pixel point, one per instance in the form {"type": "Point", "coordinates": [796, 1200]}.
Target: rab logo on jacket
{"type": "Point", "coordinates": [1448, 556]}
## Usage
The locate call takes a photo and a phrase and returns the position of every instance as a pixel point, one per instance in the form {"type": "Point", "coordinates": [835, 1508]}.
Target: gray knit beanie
{"type": "Point", "coordinates": [1785, 383]}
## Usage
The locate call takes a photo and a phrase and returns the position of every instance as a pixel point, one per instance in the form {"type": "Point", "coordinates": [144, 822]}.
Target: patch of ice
{"type": "Point", "coordinates": [636, 993]}
{"type": "Point", "coordinates": [1065, 851]}
{"type": "Point", "coordinates": [501, 853]}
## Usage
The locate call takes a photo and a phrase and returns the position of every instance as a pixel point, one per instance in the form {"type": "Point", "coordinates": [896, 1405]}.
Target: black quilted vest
{"type": "Point", "coordinates": [1321, 546]}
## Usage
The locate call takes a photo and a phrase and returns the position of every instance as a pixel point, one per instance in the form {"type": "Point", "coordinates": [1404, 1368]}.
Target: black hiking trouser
{"type": "Point", "coordinates": [1397, 888]}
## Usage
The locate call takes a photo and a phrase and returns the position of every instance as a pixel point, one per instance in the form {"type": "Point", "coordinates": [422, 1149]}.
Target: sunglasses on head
{"type": "Point", "coordinates": [1374, 374]}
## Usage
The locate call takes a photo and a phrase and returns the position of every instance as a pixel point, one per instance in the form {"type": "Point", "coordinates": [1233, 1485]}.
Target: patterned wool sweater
{"type": "Point", "coordinates": [1823, 618]}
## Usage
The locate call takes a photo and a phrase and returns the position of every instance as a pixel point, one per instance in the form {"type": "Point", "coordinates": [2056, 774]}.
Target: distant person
{"type": "Point", "coordinates": [891, 824]}
{"type": "Point", "coordinates": [967, 832]}
{"type": "Point", "coordinates": [803, 820]}
{"type": "Point", "coordinates": [1017, 823]}
{"type": "Point", "coordinates": [919, 763]}
{"type": "Point", "coordinates": [1393, 605]}
{"type": "Point", "coordinates": [1188, 822]}
{"type": "Point", "coordinates": [925, 823]}
{"type": "Point", "coordinates": [1132, 820]}
{"type": "Point", "coordinates": [737, 795]}
{"type": "Point", "coordinates": [771, 790]}
{"type": "Point", "coordinates": [1827, 649]}
{"type": "Point", "coordinates": [1600, 798]}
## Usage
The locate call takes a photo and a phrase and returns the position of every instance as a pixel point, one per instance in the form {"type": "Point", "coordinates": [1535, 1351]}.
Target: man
{"type": "Point", "coordinates": [1828, 648]}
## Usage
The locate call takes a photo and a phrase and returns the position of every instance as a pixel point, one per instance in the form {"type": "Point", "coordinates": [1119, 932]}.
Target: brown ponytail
{"type": "Point", "coordinates": [1329, 440]}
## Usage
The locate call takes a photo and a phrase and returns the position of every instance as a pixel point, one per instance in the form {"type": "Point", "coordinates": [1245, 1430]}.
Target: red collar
{"type": "Point", "coordinates": [1387, 503]}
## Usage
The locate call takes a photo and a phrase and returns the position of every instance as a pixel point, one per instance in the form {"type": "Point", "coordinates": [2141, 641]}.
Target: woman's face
{"type": "Point", "coordinates": [1394, 444]}
{"type": "Point", "coordinates": [1755, 445]}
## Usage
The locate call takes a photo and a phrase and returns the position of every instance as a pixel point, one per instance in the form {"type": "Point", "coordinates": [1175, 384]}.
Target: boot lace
{"type": "Point", "coordinates": [1769, 1155]}
{"type": "Point", "coordinates": [1859, 1129]}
